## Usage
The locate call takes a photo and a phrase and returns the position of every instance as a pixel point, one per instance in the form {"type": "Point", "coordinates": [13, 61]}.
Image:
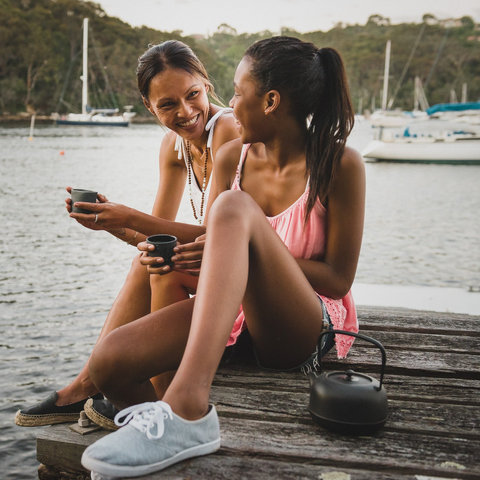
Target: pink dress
{"type": "Point", "coordinates": [307, 243]}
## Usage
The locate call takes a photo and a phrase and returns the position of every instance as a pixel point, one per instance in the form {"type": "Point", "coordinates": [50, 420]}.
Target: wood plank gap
{"type": "Point", "coordinates": [264, 388]}
{"type": "Point", "coordinates": [433, 433]}
{"type": "Point", "coordinates": [429, 349]}
{"type": "Point", "coordinates": [437, 400]}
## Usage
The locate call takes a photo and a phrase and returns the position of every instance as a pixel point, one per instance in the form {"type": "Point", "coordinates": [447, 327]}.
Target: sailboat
{"type": "Point", "coordinates": [98, 117]}
{"type": "Point", "coordinates": [458, 147]}
{"type": "Point", "coordinates": [397, 118]}
{"type": "Point", "coordinates": [465, 112]}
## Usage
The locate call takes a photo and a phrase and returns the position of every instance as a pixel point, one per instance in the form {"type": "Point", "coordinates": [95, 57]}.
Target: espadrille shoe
{"type": "Point", "coordinates": [47, 413]}
{"type": "Point", "coordinates": [101, 412]}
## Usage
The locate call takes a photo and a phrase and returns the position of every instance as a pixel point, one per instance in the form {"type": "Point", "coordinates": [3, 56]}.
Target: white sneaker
{"type": "Point", "coordinates": [154, 439]}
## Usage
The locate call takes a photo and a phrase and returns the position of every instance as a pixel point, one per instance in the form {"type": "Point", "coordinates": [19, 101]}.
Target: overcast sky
{"type": "Point", "coordinates": [204, 16]}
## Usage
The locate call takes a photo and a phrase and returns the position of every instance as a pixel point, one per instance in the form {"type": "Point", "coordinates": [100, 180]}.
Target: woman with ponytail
{"type": "Point", "coordinates": [280, 255]}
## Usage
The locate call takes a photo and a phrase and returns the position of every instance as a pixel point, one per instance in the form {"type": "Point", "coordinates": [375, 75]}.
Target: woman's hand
{"type": "Point", "coordinates": [188, 257]}
{"type": "Point", "coordinates": [154, 264]}
{"type": "Point", "coordinates": [86, 223]}
{"type": "Point", "coordinates": [105, 215]}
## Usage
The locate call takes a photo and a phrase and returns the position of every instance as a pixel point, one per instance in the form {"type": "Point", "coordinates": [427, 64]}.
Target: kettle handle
{"type": "Point", "coordinates": [362, 337]}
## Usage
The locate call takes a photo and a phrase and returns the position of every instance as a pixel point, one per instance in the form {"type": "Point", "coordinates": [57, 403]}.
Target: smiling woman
{"type": "Point", "coordinates": [175, 88]}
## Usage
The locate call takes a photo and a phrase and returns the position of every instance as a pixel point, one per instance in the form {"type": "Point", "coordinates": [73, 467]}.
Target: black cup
{"type": "Point", "coordinates": [164, 245]}
{"type": "Point", "coordinates": [79, 195]}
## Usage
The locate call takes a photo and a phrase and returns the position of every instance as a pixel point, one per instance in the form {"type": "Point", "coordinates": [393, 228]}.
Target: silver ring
{"type": "Point", "coordinates": [96, 218]}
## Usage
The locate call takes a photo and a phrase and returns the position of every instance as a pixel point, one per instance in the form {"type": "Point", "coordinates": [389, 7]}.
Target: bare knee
{"type": "Point", "coordinates": [137, 270]}
{"type": "Point", "coordinates": [163, 282]}
{"type": "Point", "coordinates": [233, 206]}
{"type": "Point", "coordinates": [106, 362]}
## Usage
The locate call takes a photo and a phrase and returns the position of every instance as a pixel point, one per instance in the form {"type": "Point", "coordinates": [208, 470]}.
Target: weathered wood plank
{"type": "Point", "coordinates": [371, 318]}
{"type": "Point", "coordinates": [438, 390]}
{"type": "Point", "coordinates": [418, 363]}
{"type": "Point", "coordinates": [402, 362]}
{"type": "Point", "coordinates": [439, 362]}
{"type": "Point", "coordinates": [428, 418]}
{"type": "Point", "coordinates": [58, 446]}
{"type": "Point", "coordinates": [428, 389]}
{"type": "Point", "coordinates": [406, 453]}
{"type": "Point", "coordinates": [430, 342]}
{"type": "Point", "coordinates": [285, 444]}
{"type": "Point", "coordinates": [221, 467]}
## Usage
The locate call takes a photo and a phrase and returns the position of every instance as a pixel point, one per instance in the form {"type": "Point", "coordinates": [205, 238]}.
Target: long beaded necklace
{"type": "Point", "coordinates": [199, 219]}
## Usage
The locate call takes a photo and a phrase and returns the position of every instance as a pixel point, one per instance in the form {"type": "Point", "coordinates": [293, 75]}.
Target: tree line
{"type": "Point", "coordinates": [41, 57]}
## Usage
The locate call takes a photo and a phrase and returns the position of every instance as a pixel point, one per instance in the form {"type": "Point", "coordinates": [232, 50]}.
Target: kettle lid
{"type": "Point", "coordinates": [350, 377]}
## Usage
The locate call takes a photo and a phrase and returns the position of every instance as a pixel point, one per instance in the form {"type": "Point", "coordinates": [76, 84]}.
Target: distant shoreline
{"type": "Point", "coordinates": [45, 119]}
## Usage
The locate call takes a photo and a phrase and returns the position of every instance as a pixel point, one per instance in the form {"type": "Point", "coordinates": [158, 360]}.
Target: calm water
{"type": "Point", "coordinates": [58, 280]}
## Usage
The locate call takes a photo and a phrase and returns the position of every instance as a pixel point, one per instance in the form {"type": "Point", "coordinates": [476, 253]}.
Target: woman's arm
{"type": "Point", "coordinates": [172, 176]}
{"type": "Point", "coordinates": [333, 277]}
{"type": "Point", "coordinates": [123, 222]}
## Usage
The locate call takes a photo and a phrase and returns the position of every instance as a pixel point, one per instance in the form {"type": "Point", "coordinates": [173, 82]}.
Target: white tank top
{"type": "Point", "coordinates": [195, 190]}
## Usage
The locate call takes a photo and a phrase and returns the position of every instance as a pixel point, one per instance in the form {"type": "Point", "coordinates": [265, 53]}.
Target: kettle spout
{"type": "Point", "coordinates": [312, 376]}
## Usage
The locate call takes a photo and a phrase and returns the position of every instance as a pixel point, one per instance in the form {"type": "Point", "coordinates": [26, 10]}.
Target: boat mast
{"type": "Point", "coordinates": [464, 93]}
{"type": "Point", "coordinates": [85, 67]}
{"type": "Point", "coordinates": [385, 76]}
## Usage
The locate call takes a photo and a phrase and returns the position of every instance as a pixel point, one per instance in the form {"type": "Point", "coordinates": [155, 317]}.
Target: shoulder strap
{"type": "Point", "coordinates": [210, 127]}
{"type": "Point", "coordinates": [243, 156]}
{"type": "Point", "coordinates": [180, 148]}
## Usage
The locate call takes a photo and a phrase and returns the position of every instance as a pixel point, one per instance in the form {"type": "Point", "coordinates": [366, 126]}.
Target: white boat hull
{"type": "Point", "coordinates": [460, 151]}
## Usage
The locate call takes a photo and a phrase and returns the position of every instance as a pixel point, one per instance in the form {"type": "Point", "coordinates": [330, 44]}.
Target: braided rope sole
{"type": "Point", "coordinates": [41, 420]}
{"type": "Point", "coordinates": [98, 418]}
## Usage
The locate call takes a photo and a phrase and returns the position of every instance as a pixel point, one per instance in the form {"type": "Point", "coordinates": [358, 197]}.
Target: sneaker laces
{"type": "Point", "coordinates": [146, 417]}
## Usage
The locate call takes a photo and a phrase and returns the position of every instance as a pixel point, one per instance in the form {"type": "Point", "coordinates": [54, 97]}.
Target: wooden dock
{"type": "Point", "coordinates": [433, 430]}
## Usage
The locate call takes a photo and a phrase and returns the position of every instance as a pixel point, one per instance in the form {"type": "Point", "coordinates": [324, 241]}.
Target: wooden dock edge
{"type": "Point", "coordinates": [433, 430]}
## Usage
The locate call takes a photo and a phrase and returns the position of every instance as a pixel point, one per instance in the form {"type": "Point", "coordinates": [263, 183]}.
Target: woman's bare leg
{"type": "Point", "coordinates": [122, 365]}
{"type": "Point", "coordinates": [132, 302]}
{"type": "Point", "coordinates": [244, 262]}
{"type": "Point", "coordinates": [167, 290]}
{"type": "Point", "coordinates": [171, 288]}
{"type": "Point", "coordinates": [141, 294]}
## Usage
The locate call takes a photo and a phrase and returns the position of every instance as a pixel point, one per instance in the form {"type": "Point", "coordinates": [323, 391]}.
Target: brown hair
{"type": "Point", "coordinates": [170, 54]}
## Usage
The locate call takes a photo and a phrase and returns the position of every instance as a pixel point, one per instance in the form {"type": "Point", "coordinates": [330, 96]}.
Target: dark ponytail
{"type": "Point", "coordinates": [314, 81]}
{"type": "Point", "coordinates": [331, 123]}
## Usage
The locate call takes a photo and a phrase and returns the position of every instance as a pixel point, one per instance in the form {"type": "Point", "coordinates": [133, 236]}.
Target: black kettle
{"type": "Point", "coordinates": [348, 402]}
